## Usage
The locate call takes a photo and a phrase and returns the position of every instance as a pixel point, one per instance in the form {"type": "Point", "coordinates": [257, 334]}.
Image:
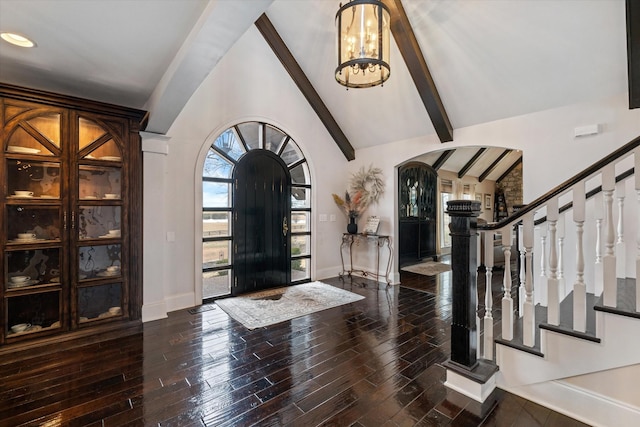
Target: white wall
{"type": "Point", "coordinates": [550, 152]}
{"type": "Point", "coordinates": [250, 84]}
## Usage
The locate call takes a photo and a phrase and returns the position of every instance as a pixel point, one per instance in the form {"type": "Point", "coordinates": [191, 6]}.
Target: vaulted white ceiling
{"type": "Point", "coordinates": [489, 59]}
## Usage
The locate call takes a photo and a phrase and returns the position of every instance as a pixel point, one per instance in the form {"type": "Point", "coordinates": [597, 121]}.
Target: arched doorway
{"type": "Point", "coordinates": [417, 212]}
{"type": "Point", "coordinates": [219, 208]}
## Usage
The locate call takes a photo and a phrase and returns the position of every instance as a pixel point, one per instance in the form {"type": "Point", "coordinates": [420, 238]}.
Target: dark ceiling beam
{"type": "Point", "coordinates": [443, 158]}
{"type": "Point", "coordinates": [509, 169]}
{"type": "Point", "coordinates": [278, 46]}
{"type": "Point", "coordinates": [493, 165]}
{"type": "Point", "coordinates": [410, 50]}
{"type": "Point", "coordinates": [471, 162]}
{"type": "Point", "coordinates": [633, 52]}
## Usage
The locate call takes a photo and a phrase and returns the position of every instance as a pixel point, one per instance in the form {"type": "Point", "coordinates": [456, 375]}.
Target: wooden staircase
{"type": "Point", "coordinates": [571, 307]}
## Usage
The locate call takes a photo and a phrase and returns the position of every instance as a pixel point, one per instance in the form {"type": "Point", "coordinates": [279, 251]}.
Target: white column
{"type": "Point", "coordinates": [579, 287]}
{"type": "Point", "coordinates": [507, 301]}
{"type": "Point", "coordinates": [609, 279]}
{"type": "Point", "coordinates": [553, 293]}
{"type": "Point", "coordinates": [528, 308]}
{"type": "Point", "coordinates": [488, 296]}
{"type": "Point", "coordinates": [155, 150]}
{"type": "Point", "coordinates": [621, 250]}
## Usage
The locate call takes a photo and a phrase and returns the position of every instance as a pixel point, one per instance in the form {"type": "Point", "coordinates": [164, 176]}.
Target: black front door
{"type": "Point", "coordinates": [262, 217]}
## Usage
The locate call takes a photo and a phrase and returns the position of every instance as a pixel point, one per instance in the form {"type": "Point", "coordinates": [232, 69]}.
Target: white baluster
{"type": "Point", "coordinates": [599, 215]}
{"type": "Point", "coordinates": [543, 251]}
{"type": "Point", "coordinates": [561, 234]}
{"type": "Point", "coordinates": [522, 272]}
{"type": "Point", "coordinates": [609, 280]}
{"type": "Point", "coordinates": [488, 297]}
{"type": "Point", "coordinates": [553, 293]}
{"type": "Point", "coordinates": [579, 287]}
{"type": "Point", "coordinates": [621, 250]}
{"type": "Point", "coordinates": [507, 301]}
{"type": "Point", "coordinates": [528, 308]}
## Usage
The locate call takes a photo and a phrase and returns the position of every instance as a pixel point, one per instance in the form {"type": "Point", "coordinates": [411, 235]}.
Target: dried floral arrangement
{"type": "Point", "coordinates": [367, 186]}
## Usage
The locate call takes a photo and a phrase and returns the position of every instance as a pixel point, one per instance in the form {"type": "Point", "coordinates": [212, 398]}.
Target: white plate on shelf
{"type": "Point", "coordinates": [111, 158]}
{"type": "Point", "coordinates": [26, 240]}
{"type": "Point", "coordinates": [89, 198]}
{"type": "Point", "coordinates": [32, 328]}
{"type": "Point", "coordinates": [13, 196]}
{"type": "Point", "coordinates": [109, 236]}
{"type": "Point", "coordinates": [26, 283]}
{"type": "Point", "coordinates": [22, 150]}
{"type": "Point", "coordinates": [89, 156]}
{"type": "Point", "coordinates": [108, 274]}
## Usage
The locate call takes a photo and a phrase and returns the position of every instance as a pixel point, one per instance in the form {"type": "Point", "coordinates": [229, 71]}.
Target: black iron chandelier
{"type": "Point", "coordinates": [363, 43]}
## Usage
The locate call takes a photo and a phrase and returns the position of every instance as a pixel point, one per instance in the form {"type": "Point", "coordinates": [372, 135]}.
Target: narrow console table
{"type": "Point", "coordinates": [348, 240]}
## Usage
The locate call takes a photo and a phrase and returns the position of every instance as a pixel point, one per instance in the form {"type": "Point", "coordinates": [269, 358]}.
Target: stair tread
{"type": "Point", "coordinates": [566, 319]}
{"type": "Point", "coordinates": [517, 342]}
{"type": "Point", "coordinates": [625, 300]}
{"type": "Point", "coordinates": [565, 326]}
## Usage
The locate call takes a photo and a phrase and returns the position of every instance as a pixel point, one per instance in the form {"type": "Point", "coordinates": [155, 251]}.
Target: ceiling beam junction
{"type": "Point", "coordinates": [633, 52]}
{"type": "Point", "coordinates": [410, 49]}
{"type": "Point", "coordinates": [493, 165]}
{"type": "Point", "coordinates": [442, 159]}
{"type": "Point", "coordinates": [471, 162]}
{"type": "Point", "coordinates": [281, 50]}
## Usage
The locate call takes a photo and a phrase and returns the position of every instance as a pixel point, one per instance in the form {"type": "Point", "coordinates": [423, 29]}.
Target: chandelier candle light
{"type": "Point", "coordinates": [363, 43]}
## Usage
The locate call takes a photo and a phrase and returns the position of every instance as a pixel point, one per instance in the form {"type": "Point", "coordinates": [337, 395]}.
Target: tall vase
{"type": "Point", "coordinates": [352, 227]}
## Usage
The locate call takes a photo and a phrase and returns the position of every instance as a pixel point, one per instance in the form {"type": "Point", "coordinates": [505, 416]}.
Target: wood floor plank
{"type": "Point", "coordinates": [375, 362]}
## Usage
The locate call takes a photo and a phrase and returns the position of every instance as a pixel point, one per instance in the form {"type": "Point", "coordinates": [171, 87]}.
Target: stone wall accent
{"type": "Point", "coordinates": [512, 187]}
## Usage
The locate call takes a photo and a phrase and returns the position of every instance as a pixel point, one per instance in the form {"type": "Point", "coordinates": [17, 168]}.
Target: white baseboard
{"type": "Point", "coordinates": [159, 309]}
{"type": "Point", "coordinates": [180, 301]}
{"type": "Point", "coordinates": [154, 311]}
{"type": "Point", "coordinates": [577, 403]}
{"type": "Point", "coordinates": [327, 273]}
{"type": "Point", "coordinates": [475, 390]}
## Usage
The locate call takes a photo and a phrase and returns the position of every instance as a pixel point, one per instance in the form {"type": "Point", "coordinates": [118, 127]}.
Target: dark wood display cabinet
{"type": "Point", "coordinates": [417, 212]}
{"type": "Point", "coordinates": [70, 213]}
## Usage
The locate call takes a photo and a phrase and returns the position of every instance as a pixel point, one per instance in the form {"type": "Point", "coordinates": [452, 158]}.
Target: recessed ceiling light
{"type": "Point", "coordinates": [17, 40]}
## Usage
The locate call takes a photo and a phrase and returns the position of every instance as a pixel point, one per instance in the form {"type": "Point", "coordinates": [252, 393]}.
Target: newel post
{"type": "Point", "coordinates": [466, 373]}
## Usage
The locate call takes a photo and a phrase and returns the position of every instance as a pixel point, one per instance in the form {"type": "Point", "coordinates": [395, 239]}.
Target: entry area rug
{"type": "Point", "coordinates": [277, 305]}
{"type": "Point", "coordinates": [428, 268]}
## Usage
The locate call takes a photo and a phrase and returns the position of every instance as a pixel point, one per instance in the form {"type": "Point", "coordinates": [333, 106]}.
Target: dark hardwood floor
{"type": "Point", "coordinates": [375, 362]}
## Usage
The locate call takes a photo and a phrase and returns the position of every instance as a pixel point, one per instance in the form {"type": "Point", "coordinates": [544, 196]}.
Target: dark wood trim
{"type": "Point", "coordinates": [624, 175]}
{"type": "Point", "coordinates": [471, 162]}
{"type": "Point", "coordinates": [414, 59]}
{"type": "Point", "coordinates": [49, 98]}
{"type": "Point", "coordinates": [508, 171]}
{"type": "Point", "coordinates": [278, 46]}
{"type": "Point", "coordinates": [493, 165]}
{"type": "Point", "coordinates": [443, 158]}
{"type": "Point", "coordinates": [633, 52]}
{"type": "Point", "coordinates": [534, 205]}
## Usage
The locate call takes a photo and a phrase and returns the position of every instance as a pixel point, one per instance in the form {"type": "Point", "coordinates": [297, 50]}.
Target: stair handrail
{"type": "Point", "coordinates": [566, 185]}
